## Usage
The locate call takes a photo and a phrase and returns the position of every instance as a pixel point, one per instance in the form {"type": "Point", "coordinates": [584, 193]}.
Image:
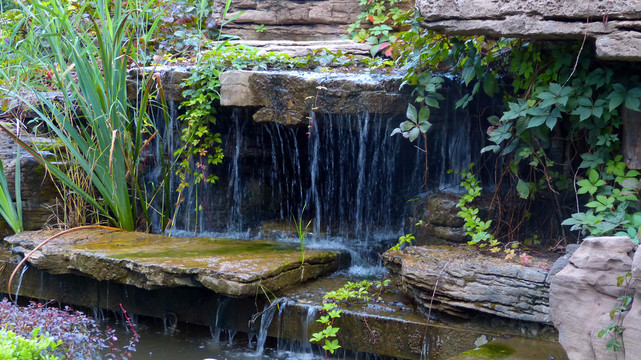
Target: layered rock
{"type": "Point", "coordinates": [615, 25]}
{"type": "Point", "coordinates": [288, 97]}
{"type": "Point", "coordinates": [583, 294]}
{"type": "Point", "coordinates": [226, 266]}
{"type": "Point", "coordinates": [458, 280]}
{"type": "Point", "coordinates": [290, 19]}
{"type": "Point", "coordinates": [435, 219]}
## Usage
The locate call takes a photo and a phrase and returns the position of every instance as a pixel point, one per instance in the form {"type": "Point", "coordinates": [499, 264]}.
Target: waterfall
{"type": "Point", "coordinates": [24, 270]}
{"type": "Point", "coordinates": [353, 179]}
{"type": "Point", "coordinates": [265, 320]}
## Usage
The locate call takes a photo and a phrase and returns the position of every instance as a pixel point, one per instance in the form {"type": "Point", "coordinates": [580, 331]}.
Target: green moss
{"type": "Point", "coordinates": [490, 351]}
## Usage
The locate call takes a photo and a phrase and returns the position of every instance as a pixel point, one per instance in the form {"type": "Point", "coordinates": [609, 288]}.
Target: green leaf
{"type": "Point", "coordinates": [424, 126]}
{"type": "Point", "coordinates": [413, 134]}
{"type": "Point", "coordinates": [593, 176]}
{"type": "Point", "coordinates": [536, 121]}
{"type": "Point", "coordinates": [423, 114]}
{"type": "Point", "coordinates": [490, 85]}
{"type": "Point", "coordinates": [523, 189]}
{"type": "Point", "coordinates": [430, 101]}
{"type": "Point", "coordinates": [411, 113]}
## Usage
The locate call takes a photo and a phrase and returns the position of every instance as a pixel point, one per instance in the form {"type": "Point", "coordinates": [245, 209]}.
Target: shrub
{"type": "Point", "coordinates": [38, 347]}
{"type": "Point", "coordinates": [78, 335]}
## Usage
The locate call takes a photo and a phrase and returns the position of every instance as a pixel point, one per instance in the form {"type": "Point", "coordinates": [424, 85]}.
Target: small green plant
{"type": "Point", "coordinates": [37, 347]}
{"type": "Point", "coordinates": [474, 226]}
{"type": "Point", "coordinates": [302, 232]}
{"type": "Point", "coordinates": [259, 28]}
{"type": "Point", "coordinates": [350, 292]}
{"type": "Point", "coordinates": [405, 239]}
{"type": "Point", "coordinates": [615, 329]}
{"type": "Point", "coordinates": [612, 191]}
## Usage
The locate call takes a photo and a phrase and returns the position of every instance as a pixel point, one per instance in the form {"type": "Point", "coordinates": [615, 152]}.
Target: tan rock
{"type": "Point", "coordinates": [585, 291]}
{"type": "Point", "coordinates": [229, 267]}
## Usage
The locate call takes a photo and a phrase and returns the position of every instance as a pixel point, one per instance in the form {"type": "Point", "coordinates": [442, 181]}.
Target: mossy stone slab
{"type": "Point", "coordinates": [229, 267]}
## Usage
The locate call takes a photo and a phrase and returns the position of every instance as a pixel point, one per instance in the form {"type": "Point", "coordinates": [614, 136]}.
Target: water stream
{"type": "Point", "coordinates": [352, 178]}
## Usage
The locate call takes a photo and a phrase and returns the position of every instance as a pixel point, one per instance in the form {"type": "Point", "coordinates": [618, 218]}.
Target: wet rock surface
{"type": "Point", "coordinates": [287, 97]}
{"type": "Point", "coordinates": [440, 222]}
{"type": "Point", "coordinates": [613, 24]}
{"type": "Point", "coordinates": [466, 280]}
{"type": "Point", "coordinates": [585, 291]}
{"type": "Point", "coordinates": [226, 266]}
{"type": "Point", "coordinates": [38, 190]}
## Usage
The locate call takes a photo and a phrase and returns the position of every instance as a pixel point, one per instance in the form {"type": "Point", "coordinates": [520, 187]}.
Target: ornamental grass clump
{"type": "Point", "coordinates": [87, 54]}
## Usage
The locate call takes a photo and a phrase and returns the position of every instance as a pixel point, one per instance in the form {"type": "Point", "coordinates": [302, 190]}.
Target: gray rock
{"type": "Point", "coordinates": [561, 262]}
{"type": "Point", "coordinates": [290, 19]}
{"type": "Point", "coordinates": [632, 325]}
{"type": "Point", "coordinates": [599, 348]}
{"type": "Point", "coordinates": [614, 24]}
{"type": "Point", "coordinates": [468, 280]}
{"type": "Point", "coordinates": [286, 96]}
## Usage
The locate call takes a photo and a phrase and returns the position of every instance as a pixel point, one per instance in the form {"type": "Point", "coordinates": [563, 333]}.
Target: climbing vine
{"type": "Point", "coordinates": [559, 131]}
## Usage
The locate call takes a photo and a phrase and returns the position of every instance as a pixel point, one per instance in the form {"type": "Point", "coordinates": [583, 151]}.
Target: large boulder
{"type": "Point", "coordinates": [287, 97]}
{"type": "Point", "coordinates": [613, 24]}
{"type": "Point", "coordinates": [583, 294]}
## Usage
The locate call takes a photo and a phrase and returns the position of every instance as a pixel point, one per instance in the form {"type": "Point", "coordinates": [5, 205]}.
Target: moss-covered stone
{"type": "Point", "coordinates": [490, 351]}
{"type": "Point", "coordinates": [227, 266]}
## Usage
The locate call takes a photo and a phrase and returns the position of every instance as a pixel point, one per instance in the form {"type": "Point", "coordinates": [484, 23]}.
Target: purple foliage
{"type": "Point", "coordinates": [81, 337]}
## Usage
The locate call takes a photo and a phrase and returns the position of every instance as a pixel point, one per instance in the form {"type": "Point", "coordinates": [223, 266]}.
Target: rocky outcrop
{"type": "Point", "coordinates": [228, 267]}
{"type": "Point", "coordinates": [288, 96]}
{"type": "Point", "coordinates": [615, 25]}
{"type": "Point", "coordinates": [458, 280]}
{"type": "Point", "coordinates": [434, 218]}
{"type": "Point", "coordinates": [583, 294]}
{"type": "Point", "coordinates": [290, 19]}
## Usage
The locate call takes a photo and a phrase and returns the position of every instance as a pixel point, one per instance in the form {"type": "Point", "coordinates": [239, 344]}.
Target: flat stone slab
{"type": "Point", "coordinates": [229, 267]}
{"type": "Point", "coordinates": [467, 280]}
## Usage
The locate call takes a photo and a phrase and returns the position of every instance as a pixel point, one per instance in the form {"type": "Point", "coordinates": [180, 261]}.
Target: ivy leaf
{"type": "Point", "coordinates": [424, 126]}
{"type": "Point", "coordinates": [490, 84]}
{"type": "Point", "coordinates": [616, 97]}
{"type": "Point", "coordinates": [536, 121]}
{"type": "Point", "coordinates": [494, 148]}
{"type": "Point", "coordinates": [593, 176]}
{"type": "Point", "coordinates": [411, 112]}
{"type": "Point", "coordinates": [413, 134]}
{"type": "Point", "coordinates": [430, 101]}
{"type": "Point", "coordinates": [423, 115]}
{"type": "Point", "coordinates": [523, 189]}
{"type": "Point", "coordinates": [468, 74]}
{"type": "Point", "coordinates": [632, 99]}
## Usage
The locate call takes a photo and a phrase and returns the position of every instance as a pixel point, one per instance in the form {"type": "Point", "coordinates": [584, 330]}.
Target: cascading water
{"type": "Point", "coordinates": [350, 175]}
{"type": "Point", "coordinates": [24, 270]}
